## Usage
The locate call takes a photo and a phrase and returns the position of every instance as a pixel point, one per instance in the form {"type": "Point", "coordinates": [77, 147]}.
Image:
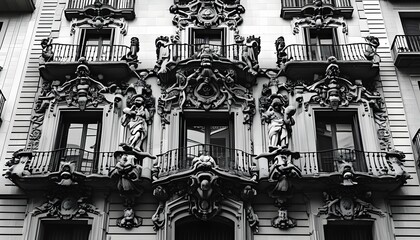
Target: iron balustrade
{"type": "Point", "coordinates": [416, 144]}
{"type": "Point", "coordinates": [345, 52]}
{"type": "Point", "coordinates": [228, 159]}
{"type": "Point", "coordinates": [313, 163]}
{"type": "Point", "coordinates": [86, 162]}
{"type": "Point", "coordinates": [302, 3]}
{"type": "Point", "coordinates": [116, 4]}
{"type": "Point", "coordinates": [406, 44]}
{"type": "Point", "coordinates": [178, 52]}
{"type": "Point", "coordinates": [93, 53]}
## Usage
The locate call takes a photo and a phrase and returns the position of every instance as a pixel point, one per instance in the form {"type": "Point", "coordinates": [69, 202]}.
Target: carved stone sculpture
{"type": "Point", "coordinates": [129, 219]}
{"type": "Point", "coordinates": [282, 221]}
{"type": "Point", "coordinates": [67, 175]}
{"type": "Point", "coordinates": [66, 208]}
{"type": "Point", "coordinates": [395, 161]}
{"type": "Point", "coordinates": [280, 119]}
{"type": "Point", "coordinates": [47, 53]}
{"type": "Point", "coordinates": [136, 118]}
{"type": "Point", "coordinates": [250, 53]}
{"type": "Point", "coordinates": [349, 205]}
{"type": "Point", "coordinates": [162, 54]}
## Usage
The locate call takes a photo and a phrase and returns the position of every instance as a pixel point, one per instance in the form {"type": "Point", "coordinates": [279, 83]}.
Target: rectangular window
{"type": "Point", "coordinates": [338, 139]}
{"type": "Point", "coordinates": [411, 26]}
{"type": "Point", "coordinates": [321, 43]}
{"type": "Point", "coordinates": [209, 134]}
{"type": "Point", "coordinates": [348, 232]}
{"type": "Point", "coordinates": [64, 230]}
{"type": "Point", "coordinates": [78, 139]}
{"type": "Point", "coordinates": [96, 45]}
{"type": "Point", "coordinates": [214, 37]}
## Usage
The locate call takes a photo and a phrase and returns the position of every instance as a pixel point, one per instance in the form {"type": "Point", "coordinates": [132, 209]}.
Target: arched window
{"type": "Point", "coordinates": [191, 228]}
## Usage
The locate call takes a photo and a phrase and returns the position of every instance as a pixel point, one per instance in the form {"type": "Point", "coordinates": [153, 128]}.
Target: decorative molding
{"type": "Point", "coordinates": [206, 87]}
{"type": "Point", "coordinates": [99, 16]}
{"type": "Point", "coordinates": [66, 207]}
{"type": "Point", "coordinates": [67, 175]}
{"type": "Point", "coordinates": [129, 219]}
{"type": "Point", "coordinates": [282, 221]}
{"type": "Point", "coordinates": [319, 16]}
{"type": "Point", "coordinates": [207, 13]}
{"type": "Point", "coordinates": [349, 204]}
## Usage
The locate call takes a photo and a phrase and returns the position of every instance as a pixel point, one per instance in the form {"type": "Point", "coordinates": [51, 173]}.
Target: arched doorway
{"type": "Point", "coordinates": [191, 228]}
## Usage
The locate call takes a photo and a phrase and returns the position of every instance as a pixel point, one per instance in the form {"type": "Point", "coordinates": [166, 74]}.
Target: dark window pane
{"type": "Point", "coordinates": [348, 232]}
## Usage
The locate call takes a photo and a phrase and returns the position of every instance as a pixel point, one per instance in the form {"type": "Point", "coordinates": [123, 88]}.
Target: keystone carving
{"type": "Point", "coordinates": [129, 219]}
{"type": "Point", "coordinates": [282, 221]}
{"type": "Point", "coordinates": [67, 175]}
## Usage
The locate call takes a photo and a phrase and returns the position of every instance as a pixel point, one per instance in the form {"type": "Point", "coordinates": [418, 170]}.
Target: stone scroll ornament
{"type": "Point", "coordinates": [319, 16]}
{"type": "Point", "coordinates": [206, 88]}
{"type": "Point", "coordinates": [335, 92]}
{"type": "Point", "coordinates": [207, 13]}
{"type": "Point", "coordinates": [66, 206]}
{"type": "Point", "coordinates": [99, 16]}
{"type": "Point", "coordinates": [349, 205]}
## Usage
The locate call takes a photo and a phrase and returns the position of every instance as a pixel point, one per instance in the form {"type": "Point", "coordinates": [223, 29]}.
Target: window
{"type": "Point", "coordinates": [216, 229]}
{"type": "Point", "coordinates": [64, 230]}
{"type": "Point", "coordinates": [96, 45]}
{"type": "Point", "coordinates": [348, 232]}
{"type": "Point", "coordinates": [210, 134]}
{"type": "Point", "coordinates": [411, 28]}
{"type": "Point", "coordinates": [78, 139]}
{"type": "Point", "coordinates": [214, 37]}
{"type": "Point", "coordinates": [338, 138]}
{"type": "Point", "coordinates": [321, 43]}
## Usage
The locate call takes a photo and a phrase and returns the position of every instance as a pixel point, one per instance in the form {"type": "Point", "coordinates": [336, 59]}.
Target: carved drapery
{"type": "Point", "coordinates": [206, 87]}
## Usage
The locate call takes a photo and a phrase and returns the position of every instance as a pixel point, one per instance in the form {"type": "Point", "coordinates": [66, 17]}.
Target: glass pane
{"type": "Point", "coordinates": [74, 136]}
{"type": "Point", "coordinates": [195, 135]}
{"type": "Point", "coordinates": [344, 127]}
{"type": "Point", "coordinates": [91, 136]}
{"type": "Point", "coordinates": [345, 140]}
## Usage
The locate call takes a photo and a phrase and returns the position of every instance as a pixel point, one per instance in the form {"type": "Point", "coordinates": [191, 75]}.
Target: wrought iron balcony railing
{"type": "Point", "coordinates": [2, 102]}
{"type": "Point", "coordinates": [345, 52]}
{"type": "Point", "coordinates": [85, 162]}
{"type": "Point", "coordinates": [406, 50]}
{"type": "Point", "coordinates": [178, 52]}
{"type": "Point", "coordinates": [416, 145]}
{"type": "Point", "coordinates": [314, 163]}
{"type": "Point", "coordinates": [293, 8]}
{"type": "Point", "coordinates": [406, 43]}
{"type": "Point", "coordinates": [117, 4]}
{"type": "Point", "coordinates": [227, 159]}
{"type": "Point", "coordinates": [302, 3]}
{"type": "Point", "coordinates": [92, 53]}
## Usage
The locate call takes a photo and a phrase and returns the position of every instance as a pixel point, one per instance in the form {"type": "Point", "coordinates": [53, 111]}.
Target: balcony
{"type": "Point", "coordinates": [354, 60]}
{"type": "Point", "coordinates": [321, 170]}
{"type": "Point", "coordinates": [406, 50]}
{"type": "Point", "coordinates": [40, 169]}
{"type": "Point", "coordinates": [109, 61]}
{"type": "Point", "coordinates": [2, 102]}
{"type": "Point", "coordinates": [116, 8]}
{"type": "Point", "coordinates": [7, 6]}
{"type": "Point", "coordinates": [298, 8]}
{"type": "Point", "coordinates": [221, 57]}
{"type": "Point", "coordinates": [183, 162]}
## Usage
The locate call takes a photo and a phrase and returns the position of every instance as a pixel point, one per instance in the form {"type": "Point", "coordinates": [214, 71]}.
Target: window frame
{"type": "Point", "coordinates": [75, 223]}
{"type": "Point", "coordinates": [319, 52]}
{"type": "Point", "coordinates": [83, 38]}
